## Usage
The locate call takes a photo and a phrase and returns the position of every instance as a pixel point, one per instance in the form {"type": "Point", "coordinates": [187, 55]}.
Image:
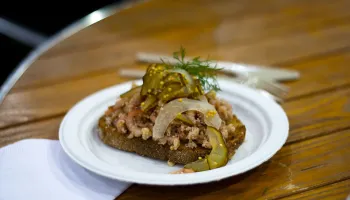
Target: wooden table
{"type": "Point", "coordinates": [311, 36]}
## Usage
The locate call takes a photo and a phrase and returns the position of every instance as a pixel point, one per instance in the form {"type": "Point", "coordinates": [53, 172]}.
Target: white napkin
{"type": "Point", "coordinates": [39, 169]}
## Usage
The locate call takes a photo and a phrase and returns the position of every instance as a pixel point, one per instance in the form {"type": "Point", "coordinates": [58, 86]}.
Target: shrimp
{"type": "Point", "coordinates": [115, 109]}
{"type": "Point", "coordinates": [130, 123]}
{"type": "Point", "coordinates": [133, 102]}
{"type": "Point", "coordinates": [154, 114]}
{"type": "Point", "coordinates": [120, 124]}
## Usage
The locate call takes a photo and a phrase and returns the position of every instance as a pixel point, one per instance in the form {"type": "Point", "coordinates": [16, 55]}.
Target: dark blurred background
{"type": "Point", "coordinates": [44, 19]}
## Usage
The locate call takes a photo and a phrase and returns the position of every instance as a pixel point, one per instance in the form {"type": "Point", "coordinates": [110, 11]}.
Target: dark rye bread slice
{"type": "Point", "coordinates": [150, 148]}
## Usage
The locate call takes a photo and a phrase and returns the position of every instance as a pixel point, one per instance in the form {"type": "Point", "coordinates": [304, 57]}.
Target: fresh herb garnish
{"type": "Point", "coordinates": [201, 69]}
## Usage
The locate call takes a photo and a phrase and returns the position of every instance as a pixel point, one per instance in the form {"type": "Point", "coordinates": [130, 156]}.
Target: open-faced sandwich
{"type": "Point", "coordinates": [175, 116]}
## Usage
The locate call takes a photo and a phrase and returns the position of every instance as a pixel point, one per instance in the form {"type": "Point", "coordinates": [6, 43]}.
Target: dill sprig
{"type": "Point", "coordinates": [201, 69]}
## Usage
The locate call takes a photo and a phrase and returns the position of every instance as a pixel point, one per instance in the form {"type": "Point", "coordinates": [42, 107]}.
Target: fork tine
{"type": "Point", "coordinates": [276, 85]}
{"type": "Point", "coordinates": [278, 90]}
{"type": "Point", "coordinates": [267, 94]}
{"type": "Point", "coordinates": [263, 87]}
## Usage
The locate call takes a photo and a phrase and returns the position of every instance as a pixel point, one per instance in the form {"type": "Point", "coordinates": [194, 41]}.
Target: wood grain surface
{"type": "Point", "coordinates": [200, 39]}
{"type": "Point", "coordinates": [336, 191]}
{"type": "Point", "coordinates": [314, 163]}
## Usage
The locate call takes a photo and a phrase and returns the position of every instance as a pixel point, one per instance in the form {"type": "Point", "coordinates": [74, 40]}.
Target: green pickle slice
{"type": "Point", "coordinates": [172, 91]}
{"type": "Point", "coordinates": [184, 119]}
{"type": "Point", "coordinates": [150, 102]}
{"type": "Point", "coordinates": [152, 80]}
{"type": "Point", "coordinates": [166, 85]}
{"type": "Point", "coordinates": [198, 165]}
{"type": "Point", "coordinates": [172, 78]}
{"type": "Point", "coordinates": [131, 92]}
{"type": "Point", "coordinates": [218, 156]}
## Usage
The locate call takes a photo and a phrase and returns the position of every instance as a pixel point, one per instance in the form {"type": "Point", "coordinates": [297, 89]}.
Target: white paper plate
{"type": "Point", "coordinates": [266, 123]}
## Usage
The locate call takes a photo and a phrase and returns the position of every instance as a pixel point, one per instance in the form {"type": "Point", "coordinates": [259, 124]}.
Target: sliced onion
{"type": "Point", "coordinates": [187, 76]}
{"type": "Point", "coordinates": [169, 112]}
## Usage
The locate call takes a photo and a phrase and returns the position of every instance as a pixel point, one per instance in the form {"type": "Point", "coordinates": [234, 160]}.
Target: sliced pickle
{"type": "Point", "coordinates": [190, 85]}
{"type": "Point", "coordinates": [184, 119]}
{"type": "Point", "coordinates": [184, 81]}
{"type": "Point", "coordinates": [218, 155]}
{"type": "Point", "coordinates": [198, 165]}
{"type": "Point", "coordinates": [196, 89]}
{"type": "Point", "coordinates": [152, 80]}
{"type": "Point", "coordinates": [131, 92]}
{"type": "Point", "coordinates": [146, 78]}
{"type": "Point", "coordinates": [172, 78]}
{"type": "Point", "coordinates": [199, 88]}
{"type": "Point", "coordinates": [167, 85]}
{"type": "Point", "coordinates": [181, 93]}
{"type": "Point", "coordinates": [191, 88]}
{"type": "Point", "coordinates": [150, 102]}
{"type": "Point", "coordinates": [173, 91]}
